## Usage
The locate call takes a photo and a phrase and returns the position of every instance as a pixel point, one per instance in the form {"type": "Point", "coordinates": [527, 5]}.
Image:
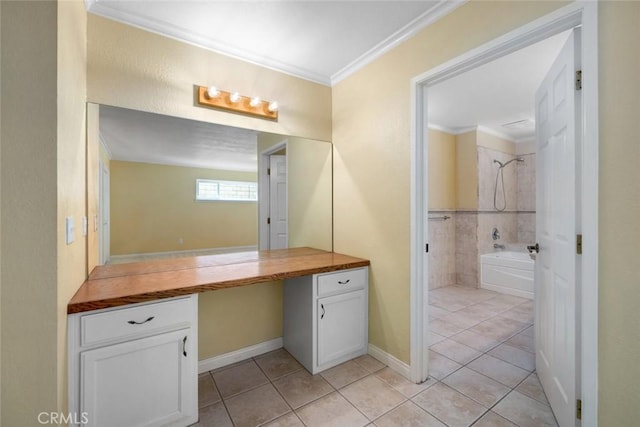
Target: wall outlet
{"type": "Point", "coordinates": [70, 229]}
{"type": "Point", "coordinates": [180, 241]}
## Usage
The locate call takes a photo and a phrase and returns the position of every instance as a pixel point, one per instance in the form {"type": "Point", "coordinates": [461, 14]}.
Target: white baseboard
{"type": "Point", "coordinates": [239, 355]}
{"type": "Point", "coordinates": [391, 361]}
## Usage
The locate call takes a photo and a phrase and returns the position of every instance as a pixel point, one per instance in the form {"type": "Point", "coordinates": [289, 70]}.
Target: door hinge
{"type": "Point", "coordinates": [579, 80]}
{"type": "Point", "coordinates": [579, 409]}
{"type": "Point", "coordinates": [269, 220]}
{"type": "Point", "coordinates": [268, 171]}
{"type": "Point", "coordinates": [579, 244]}
{"type": "Point", "coordinates": [426, 248]}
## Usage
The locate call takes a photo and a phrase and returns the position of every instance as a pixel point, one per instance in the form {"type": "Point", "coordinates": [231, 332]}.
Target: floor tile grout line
{"type": "Point", "coordinates": [222, 400]}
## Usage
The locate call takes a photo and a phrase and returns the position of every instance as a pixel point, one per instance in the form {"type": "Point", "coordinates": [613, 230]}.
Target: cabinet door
{"type": "Point", "coordinates": [144, 382]}
{"type": "Point", "coordinates": [341, 326]}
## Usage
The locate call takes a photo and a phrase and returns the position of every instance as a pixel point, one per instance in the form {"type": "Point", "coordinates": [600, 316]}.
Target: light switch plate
{"type": "Point", "coordinates": [85, 226]}
{"type": "Point", "coordinates": [70, 229]}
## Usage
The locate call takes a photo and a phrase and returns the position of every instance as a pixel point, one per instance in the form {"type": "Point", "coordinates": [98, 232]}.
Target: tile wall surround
{"type": "Point", "coordinates": [442, 249]}
{"type": "Point", "coordinates": [455, 245]}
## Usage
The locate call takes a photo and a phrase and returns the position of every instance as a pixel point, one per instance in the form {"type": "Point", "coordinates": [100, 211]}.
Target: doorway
{"type": "Point", "coordinates": [273, 198]}
{"type": "Point", "coordinates": [584, 15]}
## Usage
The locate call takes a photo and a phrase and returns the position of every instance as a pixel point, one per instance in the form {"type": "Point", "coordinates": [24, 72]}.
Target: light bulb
{"type": "Point", "coordinates": [235, 97]}
{"type": "Point", "coordinates": [213, 92]}
{"type": "Point", "coordinates": [255, 101]}
{"type": "Point", "coordinates": [273, 106]}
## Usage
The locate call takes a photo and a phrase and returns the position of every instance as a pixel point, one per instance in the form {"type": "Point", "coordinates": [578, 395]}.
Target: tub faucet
{"type": "Point", "coordinates": [498, 246]}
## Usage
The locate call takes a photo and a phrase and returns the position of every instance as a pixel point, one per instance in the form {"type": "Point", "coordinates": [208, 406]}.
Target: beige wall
{"type": "Point", "coordinates": [153, 206]}
{"type": "Point", "coordinates": [309, 193]}
{"type": "Point", "coordinates": [29, 197]}
{"type": "Point", "coordinates": [467, 171]}
{"type": "Point", "coordinates": [442, 170]}
{"type": "Point", "coordinates": [372, 154]}
{"type": "Point", "coordinates": [619, 210]}
{"type": "Point", "coordinates": [493, 142]}
{"type": "Point", "coordinates": [71, 167]}
{"type": "Point", "coordinates": [136, 69]}
{"type": "Point", "coordinates": [385, 143]}
{"type": "Point", "coordinates": [43, 175]}
{"type": "Point", "coordinates": [131, 68]}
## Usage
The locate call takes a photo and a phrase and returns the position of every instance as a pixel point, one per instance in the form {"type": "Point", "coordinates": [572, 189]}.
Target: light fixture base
{"type": "Point", "coordinates": [223, 102]}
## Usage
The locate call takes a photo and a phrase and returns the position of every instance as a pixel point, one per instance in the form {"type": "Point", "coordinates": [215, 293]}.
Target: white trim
{"type": "Point", "coordinates": [441, 9]}
{"type": "Point", "coordinates": [445, 129]}
{"type": "Point", "coordinates": [185, 36]}
{"type": "Point", "coordinates": [495, 133]}
{"type": "Point", "coordinates": [418, 297]}
{"type": "Point", "coordinates": [391, 361]}
{"type": "Point", "coordinates": [583, 13]}
{"type": "Point", "coordinates": [118, 259]}
{"type": "Point", "coordinates": [105, 147]}
{"type": "Point", "coordinates": [245, 353]}
{"type": "Point", "coordinates": [590, 161]}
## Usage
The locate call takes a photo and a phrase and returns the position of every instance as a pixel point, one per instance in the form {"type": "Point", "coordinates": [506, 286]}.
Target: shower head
{"type": "Point", "coordinates": [502, 165]}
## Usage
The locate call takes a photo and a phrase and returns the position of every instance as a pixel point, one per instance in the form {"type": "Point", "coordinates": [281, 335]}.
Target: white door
{"type": "Point", "coordinates": [278, 237]}
{"type": "Point", "coordinates": [103, 213]}
{"type": "Point", "coordinates": [341, 326]}
{"type": "Point", "coordinates": [144, 382]}
{"type": "Point", "coordinates": [557, 144]}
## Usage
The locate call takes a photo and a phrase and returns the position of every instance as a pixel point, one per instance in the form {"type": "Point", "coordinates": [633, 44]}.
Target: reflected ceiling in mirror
{"type": "Point", "coordinates": [137, 136]}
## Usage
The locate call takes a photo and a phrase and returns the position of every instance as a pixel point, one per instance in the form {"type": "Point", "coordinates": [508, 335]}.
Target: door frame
{"type": "Point", "coordinates": [104, 207]}
{"type": "Point", "coordinates": [264, 187]}
{"type": "Point", "coordinates": [584, 13]}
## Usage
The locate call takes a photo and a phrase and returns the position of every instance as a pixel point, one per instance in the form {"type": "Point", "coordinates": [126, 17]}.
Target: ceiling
{"type": "Point", "coordinates": [322, 41]}
{"type": "Point", "coordinates": [136, 136]}
{"type": "Point", "coordinates": [496, 93]}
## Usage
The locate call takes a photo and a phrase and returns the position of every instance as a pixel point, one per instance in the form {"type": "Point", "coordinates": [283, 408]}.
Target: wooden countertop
{"type": "Point", "coordinates": [120, 284]}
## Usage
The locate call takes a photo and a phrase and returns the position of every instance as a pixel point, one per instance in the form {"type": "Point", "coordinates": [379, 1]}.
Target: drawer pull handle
{"type": "Point", "coordinates": [184, 346]}
{"type": "Point", "coordinates": [344, 283]}
{"type": "Point", "coordinates": [133, 322]}
{"type": "Point", "coordinates": [322, 307]}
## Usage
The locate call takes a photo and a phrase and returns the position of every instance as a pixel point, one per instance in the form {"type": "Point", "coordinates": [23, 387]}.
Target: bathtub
{"type": "Point", "coordinates": [508, 273]}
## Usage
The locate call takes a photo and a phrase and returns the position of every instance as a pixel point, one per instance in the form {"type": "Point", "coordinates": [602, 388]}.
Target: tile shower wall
{"type": "Point", "coordinates": [527, 199]}
{"type": "Point", "coordinates": [442, 249]}
{"type": "Point", "coordinates": [466, 248]}
{"type": "Point", "coordinates": [456, 245]}
{"type": "Point", "coordinates": [487, 171]}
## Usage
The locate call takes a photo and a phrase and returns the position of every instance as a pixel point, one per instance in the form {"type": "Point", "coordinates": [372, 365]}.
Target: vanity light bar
{"type": "Point", "coordinates": [233, 101]}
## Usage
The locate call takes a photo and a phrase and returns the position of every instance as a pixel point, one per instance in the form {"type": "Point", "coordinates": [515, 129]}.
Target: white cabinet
{"type": "Point", "coordinates": [326, 318]}
{"type": "Point", "coordinates": [136, 365]}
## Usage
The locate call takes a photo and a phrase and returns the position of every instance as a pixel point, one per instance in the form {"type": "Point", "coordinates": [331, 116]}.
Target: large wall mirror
{"type": "Point", "coordinates": [164, 187]}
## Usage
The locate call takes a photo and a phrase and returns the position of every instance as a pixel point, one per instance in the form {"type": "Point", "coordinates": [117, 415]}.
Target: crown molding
{"type": "Point", "coordinates": [438, 11]}
{"type": "Point", "coordinates": [442, 8]}
{"type": "Point", "coordinates": [495, 133]}
{"type": "Point", "coordinates": [444, 129]}
{"type": "Point", "coordinates": [183, 35]}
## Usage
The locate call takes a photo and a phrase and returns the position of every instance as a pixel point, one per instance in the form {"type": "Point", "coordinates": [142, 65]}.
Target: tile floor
{"type": "Point", "coordinates": [482, 374]}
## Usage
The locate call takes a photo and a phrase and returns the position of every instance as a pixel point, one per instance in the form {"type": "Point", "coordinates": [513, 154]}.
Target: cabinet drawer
{"type": "Point", "coordinates": [342, 281]}
{"type": "Point", "coordinates": [124, 322]}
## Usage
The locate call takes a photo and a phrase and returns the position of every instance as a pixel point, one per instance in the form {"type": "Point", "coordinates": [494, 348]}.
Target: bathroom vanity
{"type": "Point", "coordinates": [132, 328]}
